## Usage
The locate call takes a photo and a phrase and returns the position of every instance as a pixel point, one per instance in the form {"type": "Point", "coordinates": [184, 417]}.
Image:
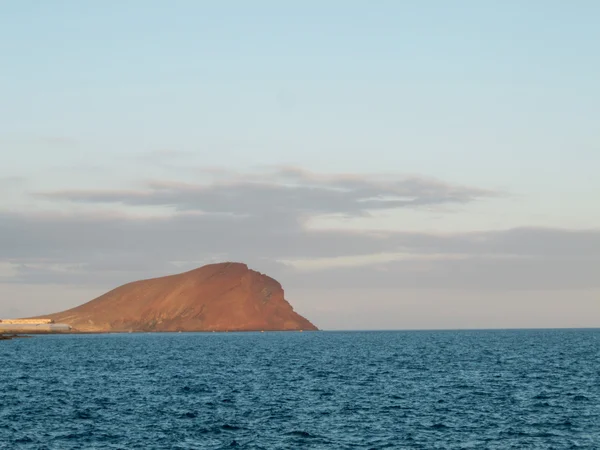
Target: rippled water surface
{"type": "Point", "coordinates": [446, 389]}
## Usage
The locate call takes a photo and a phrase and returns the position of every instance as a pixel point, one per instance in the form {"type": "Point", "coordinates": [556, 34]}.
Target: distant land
{"type": "Point", "coordinates": [216, 297]}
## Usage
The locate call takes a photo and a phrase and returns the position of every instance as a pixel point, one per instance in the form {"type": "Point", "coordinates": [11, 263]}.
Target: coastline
{"type": "Point", "coordinates": [4, 337]}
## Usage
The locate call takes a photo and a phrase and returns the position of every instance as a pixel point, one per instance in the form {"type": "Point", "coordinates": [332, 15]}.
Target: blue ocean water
{"type": "Point", "coordinates": [520, 389]}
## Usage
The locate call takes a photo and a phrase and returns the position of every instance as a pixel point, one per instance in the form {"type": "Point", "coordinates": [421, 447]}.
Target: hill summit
{"type": "Point", "coordinates": [216, 297]}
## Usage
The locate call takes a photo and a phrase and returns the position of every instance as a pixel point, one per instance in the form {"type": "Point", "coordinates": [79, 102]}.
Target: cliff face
{"type": "Point", "coordinates": [216, 297]}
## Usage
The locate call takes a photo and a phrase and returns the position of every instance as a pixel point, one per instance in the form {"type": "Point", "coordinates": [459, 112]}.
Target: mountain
{"type": "Point", "coordinates": [216, 297]}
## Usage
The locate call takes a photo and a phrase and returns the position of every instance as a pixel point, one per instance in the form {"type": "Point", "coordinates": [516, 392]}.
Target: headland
{"type": "Point", "coordinates": [216, 297]}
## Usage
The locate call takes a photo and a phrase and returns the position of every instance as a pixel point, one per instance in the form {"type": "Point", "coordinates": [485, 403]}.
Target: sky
{"type": "Point", "coordinates": [395, 165]}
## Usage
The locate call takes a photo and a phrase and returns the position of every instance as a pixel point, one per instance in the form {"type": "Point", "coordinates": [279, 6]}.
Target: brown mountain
{"type": "Point", "coordinates": [216, 297]}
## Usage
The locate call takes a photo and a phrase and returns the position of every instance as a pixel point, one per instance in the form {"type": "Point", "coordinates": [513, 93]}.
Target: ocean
{"type": "Point", "coordinates": [505, 389]}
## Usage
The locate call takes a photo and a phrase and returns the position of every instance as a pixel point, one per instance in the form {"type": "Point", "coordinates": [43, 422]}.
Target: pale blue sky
{"type": "Point", "coordinates": [496, 95]}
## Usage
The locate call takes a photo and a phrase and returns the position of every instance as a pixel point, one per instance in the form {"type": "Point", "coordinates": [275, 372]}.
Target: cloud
{"type": "Point", "coordinates": [110, 250]}
{"type": "Point", "coordinates": [262, 218]}
{"type": "Point", "coordinates": [471, 273]}
{"type": "Point", "coordinates": [287, 191]}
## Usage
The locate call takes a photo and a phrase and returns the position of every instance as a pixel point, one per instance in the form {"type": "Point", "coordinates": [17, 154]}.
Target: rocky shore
{"type": "Point", "coordinates": [8, 337]}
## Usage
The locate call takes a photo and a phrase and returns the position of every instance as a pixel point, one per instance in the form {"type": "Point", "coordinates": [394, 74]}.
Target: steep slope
{"type": "Point", "coordinates": [216, 297]}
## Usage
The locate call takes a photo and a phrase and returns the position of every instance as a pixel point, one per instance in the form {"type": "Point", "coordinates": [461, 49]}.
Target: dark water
{"type": "Point", "coordinates": [427, 390]}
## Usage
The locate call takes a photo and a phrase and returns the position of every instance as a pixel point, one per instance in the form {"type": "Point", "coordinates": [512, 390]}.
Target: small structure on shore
{"type": "Point", "coordinates": [31, 326]}
{"type": "Point", "coordinates": [26, 321]}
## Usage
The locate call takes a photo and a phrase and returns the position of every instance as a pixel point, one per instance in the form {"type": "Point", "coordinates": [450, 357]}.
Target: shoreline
{"type": "Point", "coordinates": [8, 337]}
{"type": "Point", "coordinates": [74, 332]}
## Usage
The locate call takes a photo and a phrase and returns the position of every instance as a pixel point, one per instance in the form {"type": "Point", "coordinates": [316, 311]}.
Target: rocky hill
{"type": "Point", "coordinates": [216, 297]}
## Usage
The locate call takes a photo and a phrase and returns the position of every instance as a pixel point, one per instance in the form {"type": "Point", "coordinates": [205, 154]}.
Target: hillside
{"type": "Point", "coordinates": [216, 297]}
